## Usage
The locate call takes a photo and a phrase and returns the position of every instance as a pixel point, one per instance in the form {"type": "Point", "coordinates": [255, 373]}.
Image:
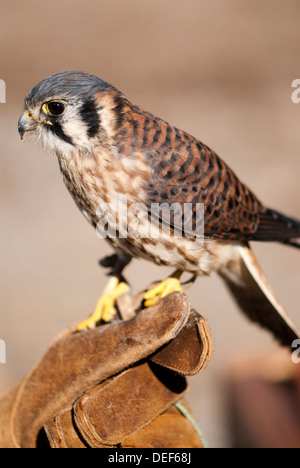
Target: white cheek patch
{"type": "Point", "coordinates": [73, 128]}
{"type": "Point", "coordinates": [49, 140]}
{"type": "Point", "coordinates": [76, 129]}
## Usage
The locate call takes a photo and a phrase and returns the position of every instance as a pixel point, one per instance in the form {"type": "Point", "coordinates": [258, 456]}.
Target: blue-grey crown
{"type": "Point", "coordinates": [69, 84]}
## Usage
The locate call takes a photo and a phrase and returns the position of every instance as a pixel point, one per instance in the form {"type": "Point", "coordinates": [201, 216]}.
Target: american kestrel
{"type": "Point", "coordinates": [108, 148]}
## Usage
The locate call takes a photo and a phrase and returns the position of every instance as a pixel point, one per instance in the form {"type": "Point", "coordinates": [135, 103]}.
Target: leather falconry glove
{"type": "Point", "coordinates": [119, 385]}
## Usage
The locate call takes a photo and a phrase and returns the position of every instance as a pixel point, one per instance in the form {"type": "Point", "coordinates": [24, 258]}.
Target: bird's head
{"type": "Point", "coordinates": [71, 110]}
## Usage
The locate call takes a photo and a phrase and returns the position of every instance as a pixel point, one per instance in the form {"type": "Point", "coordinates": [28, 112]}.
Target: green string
{"type": "Point", "coordinates": [193, 422]}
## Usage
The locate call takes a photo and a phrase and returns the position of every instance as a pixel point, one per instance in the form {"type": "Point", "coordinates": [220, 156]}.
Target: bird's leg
{"type": "Point", "coordinates": [164, 288]}
{"type": "Point", "coordinates": [116, 286]}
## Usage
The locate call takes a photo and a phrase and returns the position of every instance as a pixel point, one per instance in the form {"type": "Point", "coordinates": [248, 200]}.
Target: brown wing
{"type": "Point", "coordinates": [184, 170]}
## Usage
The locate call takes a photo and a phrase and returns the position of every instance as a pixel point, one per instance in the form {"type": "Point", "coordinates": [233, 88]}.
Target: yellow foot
{"type": "Point", "coordinates": [105, 309]}
{"type": "Point", "coordinates": [164, 288]}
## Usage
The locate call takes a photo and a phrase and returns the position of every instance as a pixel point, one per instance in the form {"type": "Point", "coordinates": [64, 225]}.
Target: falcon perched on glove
{"type": "Point", "coordinates": [108, 148]}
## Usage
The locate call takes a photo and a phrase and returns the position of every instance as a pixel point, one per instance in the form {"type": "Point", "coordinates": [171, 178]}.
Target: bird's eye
{"type": "Point", "coordinates": [54, 108]}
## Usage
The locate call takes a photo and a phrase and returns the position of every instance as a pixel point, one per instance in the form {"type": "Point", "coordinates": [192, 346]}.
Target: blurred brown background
{"type": "Point", "coordinates": [219, 69]}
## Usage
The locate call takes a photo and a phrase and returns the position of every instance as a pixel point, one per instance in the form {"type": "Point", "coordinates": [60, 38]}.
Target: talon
{"type": "Point", "coordinates": [105, 309]}
{"type": "Point", "coordinates": [162, 290]}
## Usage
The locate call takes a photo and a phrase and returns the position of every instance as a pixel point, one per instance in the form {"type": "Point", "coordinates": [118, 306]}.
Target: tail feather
{"type": "Point", "coordinates": [274, 226]}
{"type": "Point", "coordinates": [293, 243]}
{"type": "Point", "coordinates": [254, 295]}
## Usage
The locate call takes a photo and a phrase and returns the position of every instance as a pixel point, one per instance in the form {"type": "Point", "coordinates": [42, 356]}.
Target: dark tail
{"type": "Point", "coordinates": [293, 243]}
{"type": "Point", "coordinates": [274, 226]}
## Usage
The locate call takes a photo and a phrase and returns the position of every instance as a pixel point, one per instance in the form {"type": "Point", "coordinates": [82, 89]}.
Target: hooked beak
{"type": "Point", "coordinates": [25, 124]}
